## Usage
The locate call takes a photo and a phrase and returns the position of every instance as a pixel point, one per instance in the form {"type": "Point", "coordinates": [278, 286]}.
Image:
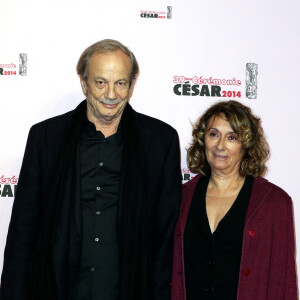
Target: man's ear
{"type": "Point", "coordinates": [84, 86]}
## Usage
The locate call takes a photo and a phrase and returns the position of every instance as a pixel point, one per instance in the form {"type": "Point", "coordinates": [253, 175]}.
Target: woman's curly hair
{"type": "Point", "coordinates": [245, 125]}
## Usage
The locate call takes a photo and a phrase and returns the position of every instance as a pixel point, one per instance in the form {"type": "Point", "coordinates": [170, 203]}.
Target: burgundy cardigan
{"type": "Point", "coordinates": [267, 270]}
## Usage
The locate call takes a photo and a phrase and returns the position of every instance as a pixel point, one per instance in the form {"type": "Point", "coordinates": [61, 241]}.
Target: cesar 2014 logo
{"type": "Point", "coordinates": [8, 186]}
{"type": "Point", "coordinates": [186, 175]}
{"type": "Point", "coordinates": [9, 69]}
{"type": "Point", "coordinates": [213, 87]}
{"type": "Point", "coordinates": [157, 14]}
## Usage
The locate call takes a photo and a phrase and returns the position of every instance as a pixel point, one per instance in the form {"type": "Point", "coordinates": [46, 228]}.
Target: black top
{"type": "Point", "coordinates": [100, 162]}
{"type": "Point", "coordinates": [212, 260]}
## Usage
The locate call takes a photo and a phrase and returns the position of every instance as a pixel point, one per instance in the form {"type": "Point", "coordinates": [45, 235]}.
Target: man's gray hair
{"type": "Point", "coordinates": [105, 46]}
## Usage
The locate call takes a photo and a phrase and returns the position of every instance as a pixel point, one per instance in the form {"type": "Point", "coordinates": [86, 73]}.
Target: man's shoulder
{"type": "Point", "coordinates": [55, 121]}
{"type": "Point", "coordinates": [58, 123]}
{"type": "Point", "coordinates": [153, 124]}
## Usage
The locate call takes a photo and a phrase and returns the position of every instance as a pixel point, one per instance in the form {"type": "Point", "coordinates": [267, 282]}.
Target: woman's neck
{"type": "Point", "coordinates": [226, 183]}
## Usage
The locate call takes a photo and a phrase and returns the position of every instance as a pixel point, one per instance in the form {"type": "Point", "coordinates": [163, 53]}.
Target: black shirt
{"type": "Point", "coordinates": [100, 162]}
{"type": "Point", "coordinates": [212, 260]}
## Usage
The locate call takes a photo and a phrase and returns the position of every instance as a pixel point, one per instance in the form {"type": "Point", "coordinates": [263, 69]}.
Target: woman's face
{"type": "Point", "coordinates": [223, 149]}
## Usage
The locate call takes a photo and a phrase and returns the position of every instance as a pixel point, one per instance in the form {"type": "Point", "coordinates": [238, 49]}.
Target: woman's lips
{"type": "Point", "coordinates": [220, 156]}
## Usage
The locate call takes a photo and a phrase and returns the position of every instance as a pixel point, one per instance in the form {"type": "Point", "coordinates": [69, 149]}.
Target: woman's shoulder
{"type": "Point", "coordinates": [274, 192]}
{"type": "Point", "coordinates": [191, 183]}
{"type": "Point", "coordinates": [189, 187]}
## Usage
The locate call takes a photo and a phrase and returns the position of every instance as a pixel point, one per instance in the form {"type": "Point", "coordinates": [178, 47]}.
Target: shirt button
{"type": "Point", "coordinates": [247, 272]}
{"type": "Point", "coordinates": [98, 212]}
{"type": "Point", "coordinates": [251, 232]}
{"type": "Point", "coordinates": [98, 188]}
{"type": "Point", "coordinates": [101, 164]}
{"type": "Point", "coordinates": [92, 269]}
{"type": "Point", "coordinates": [96, 240]}
{"type": "Point", "coordinates": [209, 289]}
{"type": "Point", "coordinates": [210, 262]}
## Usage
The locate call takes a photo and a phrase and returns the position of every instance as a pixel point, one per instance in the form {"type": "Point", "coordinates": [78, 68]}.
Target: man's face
{"type": "Point", "coordinates": [107, 87]}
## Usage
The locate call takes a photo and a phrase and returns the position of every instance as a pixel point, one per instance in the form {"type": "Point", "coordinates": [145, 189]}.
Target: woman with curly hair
{"type": "Point", "coordinates": [234, 239]}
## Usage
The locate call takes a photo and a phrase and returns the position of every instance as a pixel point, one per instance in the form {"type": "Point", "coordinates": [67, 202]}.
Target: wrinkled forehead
{"type": "Point", "coordinates": [113, 61]}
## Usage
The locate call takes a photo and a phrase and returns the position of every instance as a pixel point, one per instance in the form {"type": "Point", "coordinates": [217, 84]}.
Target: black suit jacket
{"type": "Point", "coordinates": [158, 142]}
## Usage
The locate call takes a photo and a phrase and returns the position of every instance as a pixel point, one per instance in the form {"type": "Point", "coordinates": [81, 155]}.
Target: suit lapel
{"type": "Point", "coordinates": [260, 191]}
{"type": "Point", "coordinates": [70, 212]}
{"type": "Point", "coordinates": [188, 191]}
{"type": "Point", "coordinates": [144, 138]}
{"type": "Point", "coordinates": [76, 188]}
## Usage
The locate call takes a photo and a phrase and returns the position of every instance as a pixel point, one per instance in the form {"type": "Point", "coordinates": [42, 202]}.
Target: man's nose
{"type": "Point", "coordinates": [111, 93]}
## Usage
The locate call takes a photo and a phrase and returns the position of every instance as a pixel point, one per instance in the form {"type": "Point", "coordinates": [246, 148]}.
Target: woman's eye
{"type": "Point", "coordinates": [212, 134]}
{"type": "Point", "coordinates": [232, 138]}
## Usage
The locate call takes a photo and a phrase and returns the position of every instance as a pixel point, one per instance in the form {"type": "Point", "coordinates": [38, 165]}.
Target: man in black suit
{"type": "Point", "coordinates": [98, 195]}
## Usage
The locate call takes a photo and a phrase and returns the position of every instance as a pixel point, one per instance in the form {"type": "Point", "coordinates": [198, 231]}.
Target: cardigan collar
{"type": "Point", "coordinates": [260, 191]}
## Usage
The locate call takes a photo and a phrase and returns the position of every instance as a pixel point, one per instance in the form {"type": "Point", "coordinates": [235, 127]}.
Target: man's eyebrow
{"type": "Point", "coordinates": [99, 77]}
{"type": "Point", "coordinates": [103, 78]}
{"type": "Point", "coordinates": [122, 79]}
